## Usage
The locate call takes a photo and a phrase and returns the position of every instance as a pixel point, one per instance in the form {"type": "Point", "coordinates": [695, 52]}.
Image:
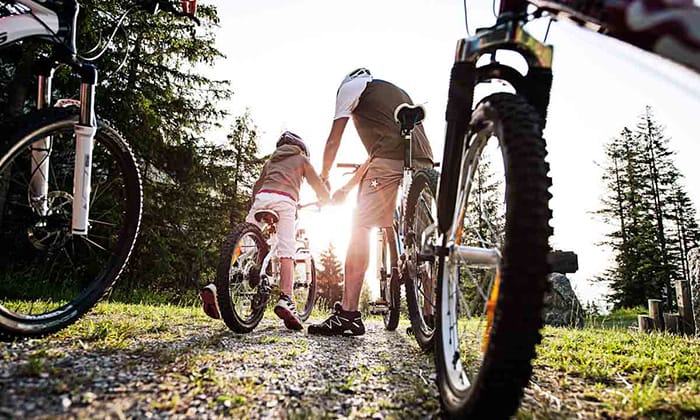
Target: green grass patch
{"type": "Point", "coordinates": [617, 319]}
{"type": "Point", "coordinates": [633, 374]}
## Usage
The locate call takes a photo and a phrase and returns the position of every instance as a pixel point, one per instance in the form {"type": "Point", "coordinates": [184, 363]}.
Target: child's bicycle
{"type": "Point", "coordinates": [494, 218]}
{"type": "Point", "coordinates": [249, 272]}
{"type": "Point", "coordinates": [399, 257]}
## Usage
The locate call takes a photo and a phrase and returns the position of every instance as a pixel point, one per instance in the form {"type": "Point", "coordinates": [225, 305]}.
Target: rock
{"type": "Point", "coordinates": [66, 402]}
{"type": "Point", "coordinates": [561, 306]}
{"type": "Point", "coordinates": [294, 391]}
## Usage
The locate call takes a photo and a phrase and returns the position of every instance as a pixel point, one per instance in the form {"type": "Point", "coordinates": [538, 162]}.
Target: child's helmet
{"type": "Point", "coordinates": [290, 138]}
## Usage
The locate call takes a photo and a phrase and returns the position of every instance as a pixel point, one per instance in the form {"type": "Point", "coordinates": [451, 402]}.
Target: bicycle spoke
{"type": "Point", "coordinates": [89, 241]}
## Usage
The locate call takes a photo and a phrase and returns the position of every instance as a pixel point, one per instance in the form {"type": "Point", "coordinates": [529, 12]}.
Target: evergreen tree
{"type": "Point", "coordinates": [154, 91]}
{"type": "Point", "coordinates": [329, 278]}
{"type": "Point", "coordinates": [484, 225]}
{"type": "Point", "coordinates": [660, 175]}
{"type": "Point", "coordinates": [653, 220]}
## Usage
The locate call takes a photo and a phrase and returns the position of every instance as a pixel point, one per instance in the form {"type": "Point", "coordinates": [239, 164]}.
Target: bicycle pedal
{"type": "Point", "coordinates": [379, 308]}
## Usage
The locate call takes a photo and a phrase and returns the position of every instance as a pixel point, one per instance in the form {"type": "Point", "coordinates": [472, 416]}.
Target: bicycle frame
{"type": "Point", "coordinates": [30, 19]}
{"type": "Point", "coordinates": [397, 248]}
{"type": "Point", "coordinates": [302, 254]}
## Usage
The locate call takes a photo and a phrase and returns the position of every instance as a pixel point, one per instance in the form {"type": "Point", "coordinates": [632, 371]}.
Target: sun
{"type": "Point", "coordinates": [332, 225]}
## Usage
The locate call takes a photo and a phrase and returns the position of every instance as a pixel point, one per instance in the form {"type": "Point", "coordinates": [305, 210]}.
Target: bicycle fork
{"type": "Point", "coordinates": [84, 136]}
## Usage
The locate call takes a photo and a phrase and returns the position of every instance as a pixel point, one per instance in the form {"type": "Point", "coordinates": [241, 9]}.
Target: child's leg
{"type": "Point", "coordinates": [285, 308]}
{"type": "Point", "coordinates": [286, 244]}
{"type": "Point", "coordinates": [286, 275]}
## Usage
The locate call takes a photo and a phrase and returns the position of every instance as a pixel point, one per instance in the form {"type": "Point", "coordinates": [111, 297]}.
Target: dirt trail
{"type": "Point", "coordinates": [202, 370]}
{"type": "Point", "coordinates": [149, 362]}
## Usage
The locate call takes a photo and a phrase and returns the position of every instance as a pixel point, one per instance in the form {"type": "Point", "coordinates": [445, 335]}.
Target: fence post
{"type": "Point", "coordinates": [655, 314]}
{"type": "Point", "coordinates": [685, 308]}
{"type": "Point", "coordinates": [646, 324]}
{"type": "Point", "coordinates": [671, 322]}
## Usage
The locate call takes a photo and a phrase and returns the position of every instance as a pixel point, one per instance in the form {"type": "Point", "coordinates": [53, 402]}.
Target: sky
{"type": "Point", "coordinates": [285, 60]}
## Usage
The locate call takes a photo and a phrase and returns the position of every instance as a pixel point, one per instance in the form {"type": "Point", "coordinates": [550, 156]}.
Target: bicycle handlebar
{"type": "Point", "coordinates": [348, 165]}
{"type": "Point", "coordinates": [303, 206]}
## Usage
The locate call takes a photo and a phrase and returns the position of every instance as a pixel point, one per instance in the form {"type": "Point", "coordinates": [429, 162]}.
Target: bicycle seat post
{"type": "Point", "coordinates": [408, 116]}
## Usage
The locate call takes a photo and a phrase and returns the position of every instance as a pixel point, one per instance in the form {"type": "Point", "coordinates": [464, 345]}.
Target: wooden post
{"type": "Point", "coordinates": [655, 314]}
{"type": "Point", "coordinates": [685, 308]}
{"type": "Point", "coordinates": [646, 324]}
{"type": "Point", "coordinates": [671, 322]}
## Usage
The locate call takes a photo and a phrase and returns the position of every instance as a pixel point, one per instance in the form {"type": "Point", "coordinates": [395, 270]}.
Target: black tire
{"type": "Point", "coordinates": [50, 278]}
{"type": "Point", "coordinates": [390, 284]}
{"type": "Point", "coordinates": [495, 354]}
{"type": "Point", "coordinates": [305, 301]}
{"type": "Point", "coordinates": [421, 279]}
{"type": "Point", "coordinates": [240, 291]}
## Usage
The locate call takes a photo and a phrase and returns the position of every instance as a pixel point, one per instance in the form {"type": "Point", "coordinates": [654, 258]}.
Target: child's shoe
{"type": "Point", "coordinates": [287, 311]}
{"type": "Point", "coordinates": [211, 305]}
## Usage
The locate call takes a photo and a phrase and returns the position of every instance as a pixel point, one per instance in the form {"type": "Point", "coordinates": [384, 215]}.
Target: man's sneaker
{"type": "Point", "coordinates": [287, 311]}
{"type": "Point", "coordinates": [208, 296]}
{"type": "Point", "coordinates": [345, 323]}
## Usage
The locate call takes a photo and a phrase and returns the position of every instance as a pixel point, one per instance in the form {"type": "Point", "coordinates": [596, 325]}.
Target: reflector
{"type": "Point", "coordinates": [189, 7]}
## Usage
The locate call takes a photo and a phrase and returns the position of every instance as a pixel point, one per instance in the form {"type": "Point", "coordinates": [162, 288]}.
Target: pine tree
{"type": "Point", "coordinates": [153, 89]}
{"type": "Point", "coordinates": [484, 225]}
{"type": "Point", "coordinates": [329, 277]}
{"type": "Point", "coordinates": [650, 214]}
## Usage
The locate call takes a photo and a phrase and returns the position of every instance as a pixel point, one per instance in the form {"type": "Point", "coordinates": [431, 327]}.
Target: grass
{"type": "Point", "coordinates": [628, 374]}
{"type": "Point", "coordinates": [613, 371]}
{"type": "Point", "coordinates": [619, 318]}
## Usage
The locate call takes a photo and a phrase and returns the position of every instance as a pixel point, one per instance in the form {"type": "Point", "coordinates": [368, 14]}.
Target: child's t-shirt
{"type": "Point", "coordinates": [285, 171]}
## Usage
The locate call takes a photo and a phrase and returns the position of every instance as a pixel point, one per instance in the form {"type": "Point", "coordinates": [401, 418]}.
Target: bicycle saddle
{"type": "Point", "coordinates": [409, 116]}
{"type": "Point", "coordinates": [267, 216]}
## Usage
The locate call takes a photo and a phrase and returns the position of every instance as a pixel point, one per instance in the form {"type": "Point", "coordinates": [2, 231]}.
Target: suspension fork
{"type": "Point", "coordinates": [84, 136]}
{"type": "Point", "coordinates": [41, 149]}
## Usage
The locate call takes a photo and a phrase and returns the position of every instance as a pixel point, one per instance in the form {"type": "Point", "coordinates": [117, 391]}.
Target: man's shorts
{"type": "Point", "coordinates": [286, 208]}
{"type": "Point", "coordinates": [376, 198]}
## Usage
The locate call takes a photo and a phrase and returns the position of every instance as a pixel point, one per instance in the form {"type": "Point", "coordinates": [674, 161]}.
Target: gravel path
{"type": "Point", "coordinates": [136, 361]}
{"type": "Point", "coordinates": [202, 370]}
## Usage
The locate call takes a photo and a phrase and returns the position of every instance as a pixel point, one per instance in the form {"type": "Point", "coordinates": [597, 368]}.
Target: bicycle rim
{"type": "Point", "coordinates": [391, 288]}
{"type": "Point", "coordinates": [242, 291]}
{"type": "Point", "coordinates": [494, 276]}
{"type": "Point", "coordinates": [50, 277]}
{"type": "Point", "coordinates": [305, 286]}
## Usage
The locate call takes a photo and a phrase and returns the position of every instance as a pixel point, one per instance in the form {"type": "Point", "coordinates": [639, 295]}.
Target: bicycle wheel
{"type": "Point", "coordinates": [304, 284]}
{"type": "Point", "coordinates": [389, 284]}
{"type": "Point", "coordinates": [493, 278]}
{"type": "Point", "coordinates": [241, 292]}
{"type": "Point", "coordinates": [49, 277]}
{"type": "Point", "coordinates": [421, 278]}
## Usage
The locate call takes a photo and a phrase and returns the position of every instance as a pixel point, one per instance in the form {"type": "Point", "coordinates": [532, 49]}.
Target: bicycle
{"type": "Point", "coordinates": [249, 270]}
{"type": "Point", "coordinates": [399, 260]}
{"type": "Point", "coordinates": [70, 188]}
{"type": "Point", "coordinates": [493, 256]}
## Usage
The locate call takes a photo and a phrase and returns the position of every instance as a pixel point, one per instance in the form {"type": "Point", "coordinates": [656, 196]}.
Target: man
{"type": "Point", "coordinates": [371, 104]}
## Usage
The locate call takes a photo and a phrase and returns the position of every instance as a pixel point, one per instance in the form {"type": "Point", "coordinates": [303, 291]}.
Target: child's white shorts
{"type": "Point", "coordinates": [286, 208]}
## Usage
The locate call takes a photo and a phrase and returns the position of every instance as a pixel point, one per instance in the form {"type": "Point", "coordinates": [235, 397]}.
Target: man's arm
{"type": "Point", "coordinates": [332, 145]}
{"type": "Point", "coordinates": [316, 183]}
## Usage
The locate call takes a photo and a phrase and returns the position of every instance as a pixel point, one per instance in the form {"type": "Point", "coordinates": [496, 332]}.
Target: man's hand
{"type": "Point", "coordinates": [339, 196]}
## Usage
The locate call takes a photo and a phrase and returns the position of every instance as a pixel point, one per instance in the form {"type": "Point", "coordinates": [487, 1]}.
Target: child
{"type": "Point", "coordinates": [277, 189]}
